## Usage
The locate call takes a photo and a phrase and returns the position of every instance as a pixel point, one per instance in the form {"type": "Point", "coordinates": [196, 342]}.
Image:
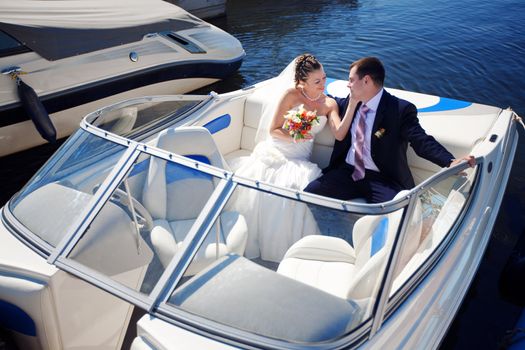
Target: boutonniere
{"type": "Point", "coordinates": [380, 133]}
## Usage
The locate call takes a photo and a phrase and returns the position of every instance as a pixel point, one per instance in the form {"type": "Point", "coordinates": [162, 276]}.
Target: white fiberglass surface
{"type": "Point", "coordinates": [57, 196]}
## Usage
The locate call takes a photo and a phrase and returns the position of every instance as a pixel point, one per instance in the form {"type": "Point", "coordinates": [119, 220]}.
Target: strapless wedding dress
{"type": "Point", "coordinates": [275, 223]}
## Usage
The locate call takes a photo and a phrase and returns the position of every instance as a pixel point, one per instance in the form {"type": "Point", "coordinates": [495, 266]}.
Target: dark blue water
{"type": "Point", "coordinates": [469, 50]}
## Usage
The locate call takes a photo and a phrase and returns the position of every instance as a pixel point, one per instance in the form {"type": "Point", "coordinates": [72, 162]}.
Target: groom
{"type": "Point", "coordinates": [371, 161]}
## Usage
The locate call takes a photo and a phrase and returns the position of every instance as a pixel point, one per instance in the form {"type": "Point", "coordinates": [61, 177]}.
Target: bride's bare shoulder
{"type": "Point", "coordinates": [290, 95]}
{"type": "Point", "coordinates": [330, 101]}
{"type": "Point", "coordinates": [330, 104]}
{"type": "Point", "coordinates": [291, 92]}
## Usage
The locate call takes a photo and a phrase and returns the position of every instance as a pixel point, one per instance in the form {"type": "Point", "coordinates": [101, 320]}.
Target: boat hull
{"type": "Point", "coordinates": [66, 109]}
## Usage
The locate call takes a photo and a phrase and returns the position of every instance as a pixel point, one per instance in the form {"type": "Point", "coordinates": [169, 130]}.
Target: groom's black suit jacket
{"type": "Point", "coordinates": [398, 119]}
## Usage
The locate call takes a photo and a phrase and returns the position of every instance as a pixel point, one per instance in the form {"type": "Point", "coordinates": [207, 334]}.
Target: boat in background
{"type": "Point", "coordinates": [202, 8]}
{"type": "Point", "coordinates": [151, 217]}
{"type": "Point", "coordinates": [61, 60]}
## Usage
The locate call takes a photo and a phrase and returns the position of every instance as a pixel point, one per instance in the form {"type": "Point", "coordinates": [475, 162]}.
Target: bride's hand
{"type": "Point", "coordinates": [352, 103]}
{"type": "Point", "coordinates": [306, 137]}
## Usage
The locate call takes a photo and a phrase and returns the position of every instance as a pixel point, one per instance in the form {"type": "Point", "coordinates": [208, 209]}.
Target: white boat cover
{"type": "Point", "coordinates": [57, 29]}
{"type": "Point", "coordinates": [87, 14]}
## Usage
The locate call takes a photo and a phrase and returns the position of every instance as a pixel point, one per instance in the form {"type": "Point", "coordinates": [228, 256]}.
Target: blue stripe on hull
{"type": "Point", "coordinates": [444, 103]}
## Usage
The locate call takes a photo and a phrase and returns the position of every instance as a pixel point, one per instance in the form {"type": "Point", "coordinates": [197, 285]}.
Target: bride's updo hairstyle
{"type": "Point", "coordinates": [304, 65]}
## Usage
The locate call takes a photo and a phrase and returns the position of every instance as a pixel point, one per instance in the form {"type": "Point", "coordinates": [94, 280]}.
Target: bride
{"type": "Point", "coordinates": [275, 223]}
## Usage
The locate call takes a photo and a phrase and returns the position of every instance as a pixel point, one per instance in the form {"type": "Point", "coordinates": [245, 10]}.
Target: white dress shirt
{"type": "Point", "coordinates": [372, 105]}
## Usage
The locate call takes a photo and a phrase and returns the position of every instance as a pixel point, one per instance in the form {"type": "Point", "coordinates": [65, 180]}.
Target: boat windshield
{"type": "Point", "coordinates": [189, 240]}
{"type": "Point", "coordinates": [135, 117]}
{"type": "Point", "coordinates": [205, 243]}
{"type": "Point", "coordinates": [81, 164]}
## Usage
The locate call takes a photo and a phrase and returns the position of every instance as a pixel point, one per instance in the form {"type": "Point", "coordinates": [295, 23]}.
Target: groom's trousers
{"type": "Point", "coordinates": [338, 183]}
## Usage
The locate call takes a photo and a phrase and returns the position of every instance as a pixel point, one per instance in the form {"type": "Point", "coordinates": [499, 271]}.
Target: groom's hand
{"type": "Point", "coordinates": [471, 160]}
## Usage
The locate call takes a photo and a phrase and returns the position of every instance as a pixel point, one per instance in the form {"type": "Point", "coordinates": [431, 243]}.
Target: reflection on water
{"type": "Point", "coordinates": [470, 50]}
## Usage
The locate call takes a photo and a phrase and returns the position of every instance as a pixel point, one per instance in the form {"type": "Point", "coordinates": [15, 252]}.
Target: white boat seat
{"type": "Point", "coordinates": [233, 156]}
{"type": "Point", "coordinates": [334, 266]}
{"type": "Point", "coordinates": [176, 197]}
{"type": "Point", "coordinates": [240, 293]}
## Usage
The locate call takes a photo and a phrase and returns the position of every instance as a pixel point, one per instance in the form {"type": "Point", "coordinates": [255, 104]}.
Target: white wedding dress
{"type": "Point", "coordinates": [275, 223]}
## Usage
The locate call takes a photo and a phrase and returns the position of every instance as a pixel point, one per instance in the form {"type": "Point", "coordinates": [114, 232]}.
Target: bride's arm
{"type": "Point", "coordinates": [340, 127]}
{"type": "Point", "coordinates": [276, 127]}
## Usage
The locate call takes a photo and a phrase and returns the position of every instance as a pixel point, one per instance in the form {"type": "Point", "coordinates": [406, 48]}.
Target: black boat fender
{"type": "Point", "coordinates": [36, 110]}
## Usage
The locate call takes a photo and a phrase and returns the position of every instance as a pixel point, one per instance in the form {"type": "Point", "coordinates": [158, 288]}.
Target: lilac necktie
{"type": "Point", "coordinates": [359, 165]}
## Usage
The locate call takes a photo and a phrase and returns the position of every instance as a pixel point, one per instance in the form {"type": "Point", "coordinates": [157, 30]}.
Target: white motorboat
{"type": "Point", "coordinates": [203, 8]}
{"type": "Point", "coordinates": [146, 217]}
{"type": "Point", "coordinates": [76, 57]}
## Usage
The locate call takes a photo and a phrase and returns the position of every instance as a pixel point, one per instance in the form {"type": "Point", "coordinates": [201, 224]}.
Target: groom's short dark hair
{"type": "Point", "coordinates": [371, 66]}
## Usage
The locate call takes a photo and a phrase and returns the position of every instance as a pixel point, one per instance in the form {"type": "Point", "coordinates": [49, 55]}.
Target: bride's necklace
{"type": "Point", "coordinates": [309, 98]}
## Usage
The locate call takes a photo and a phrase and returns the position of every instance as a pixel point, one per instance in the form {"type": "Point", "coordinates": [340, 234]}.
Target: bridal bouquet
{"type": "Point", "coordinates": [298, 122]}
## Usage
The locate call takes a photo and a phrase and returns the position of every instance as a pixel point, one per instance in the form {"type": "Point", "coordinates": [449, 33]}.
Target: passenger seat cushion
{"type": "Point", "coordinates": [163, 241]}
{"type": "Point", "coordinates": [253, 109]}
{"type": "Point", "coordinates": [234, 224]}
{"type": "Point", "coordinates": [330, 276]}
{"type": "Point", "coordinates": [322, 248]}
{"type": "Point", "coordinates": [167, 237]}
{"type": "Point", "coordinates": [321, 261]}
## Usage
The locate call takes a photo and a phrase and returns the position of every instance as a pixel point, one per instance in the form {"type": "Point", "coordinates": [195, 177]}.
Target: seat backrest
{"type": "Point", "coordinates": [372, 235]}
{"type": "Point", "coordinates": [173, 191]}
{"type": "Point", "coordinates": [253, 108]}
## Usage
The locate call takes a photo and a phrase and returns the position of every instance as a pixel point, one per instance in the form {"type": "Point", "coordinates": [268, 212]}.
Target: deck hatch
{"type": "Point", "coordinates": [185, 43]}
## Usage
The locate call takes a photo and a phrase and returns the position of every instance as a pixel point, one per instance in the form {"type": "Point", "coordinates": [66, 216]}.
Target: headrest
{"type": "Point", "coordinates": [191, 141]}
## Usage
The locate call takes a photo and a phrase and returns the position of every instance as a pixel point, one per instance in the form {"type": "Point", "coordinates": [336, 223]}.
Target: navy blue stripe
{"type": "Point", "coordinates": [219, 123]}
{"type": "Point", "coordinates": [59, 101]}
{"type": "Point", "coordinates": [14, 318]}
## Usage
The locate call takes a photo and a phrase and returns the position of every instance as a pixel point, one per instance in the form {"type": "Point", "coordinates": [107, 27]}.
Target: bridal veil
{"type": "Point", "coordinates": [276, 89]}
